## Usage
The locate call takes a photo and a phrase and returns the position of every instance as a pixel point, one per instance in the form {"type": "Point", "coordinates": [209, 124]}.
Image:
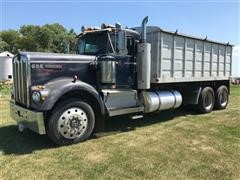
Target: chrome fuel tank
{"type": "Point", "coordinates": [161, 100]}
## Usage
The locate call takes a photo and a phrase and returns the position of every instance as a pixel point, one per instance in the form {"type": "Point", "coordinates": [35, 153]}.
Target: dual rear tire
{"type": "Point", "coordinates": [209, 100]}
{"type": "Point", "coordinates": [221, 97]}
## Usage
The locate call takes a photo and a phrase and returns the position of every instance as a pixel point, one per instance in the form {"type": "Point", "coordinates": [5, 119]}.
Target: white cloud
{"type": "Point", "coordinates": [236, 61]}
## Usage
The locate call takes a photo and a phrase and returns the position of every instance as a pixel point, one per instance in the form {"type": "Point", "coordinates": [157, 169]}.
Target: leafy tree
{"type": "Point", "coordinates": [9, 39]}
{"type": "Point", "coordinates": [59, 35]}
{"type": "Point", "coordinates": [46, 38]}
{"type": "Point", "coordinates": [72, 41]}
{"type": "Point", "coordinates": [3, 45]}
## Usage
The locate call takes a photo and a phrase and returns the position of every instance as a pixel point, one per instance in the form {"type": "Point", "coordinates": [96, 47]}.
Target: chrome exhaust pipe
{"type": "Point", "coordinates": [144, 30]}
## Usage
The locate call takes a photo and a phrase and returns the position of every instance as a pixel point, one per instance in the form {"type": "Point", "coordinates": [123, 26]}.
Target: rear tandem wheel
{"type": "Point", "coordinates": [221, 97]}
{"type": "Point", "coordinates": [206, 100]}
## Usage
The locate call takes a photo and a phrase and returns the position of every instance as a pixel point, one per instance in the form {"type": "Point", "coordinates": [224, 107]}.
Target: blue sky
{"type": "Point", "coordinates": [218, 19]}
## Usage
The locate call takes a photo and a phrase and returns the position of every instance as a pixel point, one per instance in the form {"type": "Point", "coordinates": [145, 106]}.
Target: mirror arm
{"type": "Point", "coordinates": [109, 39]}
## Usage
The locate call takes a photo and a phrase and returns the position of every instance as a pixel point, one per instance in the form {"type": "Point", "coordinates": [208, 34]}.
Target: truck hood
{"type": "Point", "coordinates": [56, 56]}
{"type": "Point", "coordinates": [44, 67]}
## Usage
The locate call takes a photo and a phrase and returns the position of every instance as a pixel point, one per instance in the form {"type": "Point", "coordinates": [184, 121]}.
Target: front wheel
{"type": "Point", "coordinates": [71, 121]}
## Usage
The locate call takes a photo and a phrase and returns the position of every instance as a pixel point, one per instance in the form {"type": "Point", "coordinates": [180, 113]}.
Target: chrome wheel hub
{"type": "Point", "coordinates": [72, 123]}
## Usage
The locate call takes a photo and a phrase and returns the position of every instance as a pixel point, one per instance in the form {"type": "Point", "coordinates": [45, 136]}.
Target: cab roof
{"type": "Point", "coordinates": [110, 29]}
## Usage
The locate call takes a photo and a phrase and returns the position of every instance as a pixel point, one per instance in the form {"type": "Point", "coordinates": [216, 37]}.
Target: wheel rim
{"type": "Point", "coordinates": [223, 98]}
{"type": "Point", "coordinates": [72, 123]}
{"type": "Point", "coordinates": [208, 101]}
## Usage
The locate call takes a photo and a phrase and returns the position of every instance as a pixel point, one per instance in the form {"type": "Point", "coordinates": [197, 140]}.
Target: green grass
{"type": "Point", "coordinates": [167, 145]}
{"type": "Point", "coordinates": [4, 88]}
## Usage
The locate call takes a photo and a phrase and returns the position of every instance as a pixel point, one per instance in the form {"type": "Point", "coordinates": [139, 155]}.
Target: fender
{"type": "Point", "coordinates": [192, 97]}
{"type": "Point", "coordinates": [59, 87]}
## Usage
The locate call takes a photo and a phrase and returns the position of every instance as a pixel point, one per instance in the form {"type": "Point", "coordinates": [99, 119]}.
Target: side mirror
{"type": "Point", "coordinates": [121, 41]}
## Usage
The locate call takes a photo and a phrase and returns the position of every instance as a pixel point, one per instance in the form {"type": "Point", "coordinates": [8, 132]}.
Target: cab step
{"type": "Point", "coordinates": [116, 112]}
{"type": "Point", "coordinates": [136, 117]}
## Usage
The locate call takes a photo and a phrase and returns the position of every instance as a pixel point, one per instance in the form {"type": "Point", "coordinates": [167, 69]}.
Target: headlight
{"type": "Point", "coordinates": [36, 97]}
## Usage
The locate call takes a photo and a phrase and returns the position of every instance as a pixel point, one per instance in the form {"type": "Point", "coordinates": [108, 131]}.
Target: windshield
{"type": "Point", "coordinates": [94, 43]}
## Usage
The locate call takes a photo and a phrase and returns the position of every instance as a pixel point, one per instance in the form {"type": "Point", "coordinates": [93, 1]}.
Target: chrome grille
{"type": "Point", "coordinates": [21, 79]}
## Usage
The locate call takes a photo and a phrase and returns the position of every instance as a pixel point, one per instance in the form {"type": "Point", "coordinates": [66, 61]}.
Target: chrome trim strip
{"type": "Point", "coordinates": [14, 77]}
{"type": "Point", "coordinates": [28, 76]}
{"type": "Point", "coordinates": [21, 90]}
{"type": "Point", "coordinates": [116, 112]}
{"type": "Point", "coordinates": [63, 62]}
{"type": "Point", "coordinates": [56, 56]}
{"type": "Point", "coordinates": [18, 81]}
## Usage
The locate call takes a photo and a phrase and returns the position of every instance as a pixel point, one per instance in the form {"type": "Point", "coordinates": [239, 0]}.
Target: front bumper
{"type": "Point", "coordinates": [31, 119]}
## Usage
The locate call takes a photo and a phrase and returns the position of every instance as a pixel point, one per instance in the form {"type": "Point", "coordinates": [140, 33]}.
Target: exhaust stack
{"type": "Point", "coordinates": [143, 59]}
{"type": "Point", "coordinates": [144, 30]}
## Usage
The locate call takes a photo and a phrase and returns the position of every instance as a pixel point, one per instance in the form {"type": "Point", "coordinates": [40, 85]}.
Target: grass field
{"type": "Point", "coordinates": [167, 145]}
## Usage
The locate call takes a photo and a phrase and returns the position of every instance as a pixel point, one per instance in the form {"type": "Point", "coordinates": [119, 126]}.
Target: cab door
{"type": "Point", "coordinates": [126, 65]}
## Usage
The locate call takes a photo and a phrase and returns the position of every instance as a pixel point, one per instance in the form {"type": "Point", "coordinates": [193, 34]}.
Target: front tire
{"type": "Point", "coordinates": [72, 121]}
{"type": "Point", "coordinates": [206, 100]}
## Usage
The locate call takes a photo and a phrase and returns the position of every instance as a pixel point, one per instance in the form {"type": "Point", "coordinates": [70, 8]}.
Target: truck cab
{"type": "Point", "coordinates": [115, 49]}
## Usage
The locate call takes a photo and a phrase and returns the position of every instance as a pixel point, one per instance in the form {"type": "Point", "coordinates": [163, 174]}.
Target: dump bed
{"type": "Point", "coordinates": [178, 57]}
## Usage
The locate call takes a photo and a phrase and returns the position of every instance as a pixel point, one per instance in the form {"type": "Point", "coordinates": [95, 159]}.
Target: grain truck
{"type": "Point", "coordinates": [117, 71]}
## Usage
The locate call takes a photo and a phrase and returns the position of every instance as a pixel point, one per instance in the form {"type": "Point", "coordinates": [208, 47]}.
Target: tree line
{"type": "Point", "coordinates": [46, 38]}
